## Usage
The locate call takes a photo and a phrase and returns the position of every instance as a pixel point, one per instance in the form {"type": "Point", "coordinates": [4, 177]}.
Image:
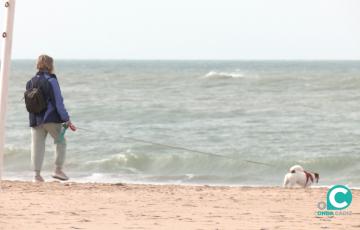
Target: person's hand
{"type": "Point", "coordinates": [71, 126]}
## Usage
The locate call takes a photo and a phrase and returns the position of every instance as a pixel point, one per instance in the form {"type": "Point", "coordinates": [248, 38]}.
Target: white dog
{"type": "Point", "coordinates": [297, 176]}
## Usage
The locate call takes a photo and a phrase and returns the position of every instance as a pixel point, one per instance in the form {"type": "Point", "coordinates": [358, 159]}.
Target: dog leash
{"type": "Point", "coordinates": [182, 148]}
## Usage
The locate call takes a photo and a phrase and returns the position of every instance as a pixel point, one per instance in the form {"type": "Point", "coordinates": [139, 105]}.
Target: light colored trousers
{"type": "Point", "coordinates": [38, 138]}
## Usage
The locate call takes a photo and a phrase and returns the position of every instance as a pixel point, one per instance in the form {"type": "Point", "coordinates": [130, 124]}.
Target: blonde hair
{"type": "Point", "coordinates": [45, 63]}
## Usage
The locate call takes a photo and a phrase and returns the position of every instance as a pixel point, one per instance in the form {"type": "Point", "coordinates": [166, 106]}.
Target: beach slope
{"type": "Point", "coordinates": [53, 205]}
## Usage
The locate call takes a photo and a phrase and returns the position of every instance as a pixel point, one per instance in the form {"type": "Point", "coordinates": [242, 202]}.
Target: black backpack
{"type": "Point", "coordinates": [34, 97]}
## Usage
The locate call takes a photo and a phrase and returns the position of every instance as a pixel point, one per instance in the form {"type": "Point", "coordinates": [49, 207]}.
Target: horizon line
{"type": "Point", "coordinates": [180, 59]}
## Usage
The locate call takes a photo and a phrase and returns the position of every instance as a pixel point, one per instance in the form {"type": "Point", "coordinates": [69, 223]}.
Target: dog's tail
{"type": "Point", "coordinates": [317, 177]}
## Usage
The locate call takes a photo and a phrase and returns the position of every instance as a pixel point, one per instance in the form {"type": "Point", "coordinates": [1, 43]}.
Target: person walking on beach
{"type": "Point", "coordinates": [47, 114]}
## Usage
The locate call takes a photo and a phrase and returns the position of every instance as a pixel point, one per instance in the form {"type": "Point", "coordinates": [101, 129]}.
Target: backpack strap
{"type": "Point", "coordinates": [36, 84]}
{"type": "Point", "coordinates": [32, 83]}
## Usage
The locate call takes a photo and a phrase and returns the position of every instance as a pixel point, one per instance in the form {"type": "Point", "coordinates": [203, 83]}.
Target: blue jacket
{"type": "Point", "coordinates": [55, 111]}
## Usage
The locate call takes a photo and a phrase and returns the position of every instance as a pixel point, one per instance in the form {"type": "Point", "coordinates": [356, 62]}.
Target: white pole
{"type": "Point", "coordinates": [5, 71]}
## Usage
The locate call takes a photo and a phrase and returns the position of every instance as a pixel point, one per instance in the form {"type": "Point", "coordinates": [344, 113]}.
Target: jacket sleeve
{"type": "Point", "coordinates": [58, 100]}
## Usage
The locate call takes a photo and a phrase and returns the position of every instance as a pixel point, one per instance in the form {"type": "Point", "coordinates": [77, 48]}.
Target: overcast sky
{"type": "Point", "coordinates": [187, 29]}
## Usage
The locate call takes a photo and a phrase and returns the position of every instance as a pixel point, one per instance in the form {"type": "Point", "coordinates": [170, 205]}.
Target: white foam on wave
{"type": "Point", "coordinates": [216, 74]}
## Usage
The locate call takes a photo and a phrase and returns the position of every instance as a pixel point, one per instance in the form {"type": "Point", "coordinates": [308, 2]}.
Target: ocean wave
{"type": "Point", "coordinates": [194, 168]}
{"type": "Point", "coordinates": [190, 163]}
{"type": "Point", "coordinates": [215, 74]}
{"type": "Point", "coordinates": [16, 158]}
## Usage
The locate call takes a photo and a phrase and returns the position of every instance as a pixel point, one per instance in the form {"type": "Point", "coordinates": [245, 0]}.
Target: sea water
{"type": "Point", "coordinates": [275, 112]}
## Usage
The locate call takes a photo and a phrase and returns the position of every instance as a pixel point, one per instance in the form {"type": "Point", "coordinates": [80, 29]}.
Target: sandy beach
{"type": "Point", "coordinates": [54, 205]}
